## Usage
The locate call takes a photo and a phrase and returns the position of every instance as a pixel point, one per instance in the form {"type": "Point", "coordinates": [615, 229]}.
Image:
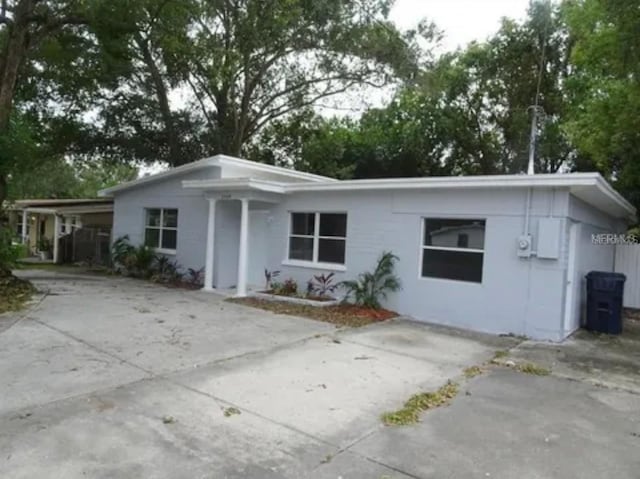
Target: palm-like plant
{"type": "Point", "coordinates": [372, 287]}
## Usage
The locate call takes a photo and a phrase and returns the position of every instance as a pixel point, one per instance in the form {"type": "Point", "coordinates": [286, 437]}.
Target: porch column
{"type": "Point", "coordinates": [67, 225]}
{"type": "Point", "coordinates": [241, 288]}
{"type": "Point", "coordinates": [25, 218]}
{"type": "Point", "coordinates": [211, 230]}
{"type": "Point", "coordinates": [56, 236]}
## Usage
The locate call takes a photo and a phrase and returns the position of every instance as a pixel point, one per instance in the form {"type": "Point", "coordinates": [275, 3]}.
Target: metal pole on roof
{"type": "Point", "coordinates": [536, 107]}
{"type": "Point", "coordinates": [532, 141]}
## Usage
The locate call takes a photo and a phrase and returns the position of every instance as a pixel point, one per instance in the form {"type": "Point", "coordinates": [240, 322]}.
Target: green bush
{"type": "Point", "coordinates": [9, 253]}
{"type": "Point", "coordinates": [121, 250]}
{"type": "Point", "coordinates": [370, 288]}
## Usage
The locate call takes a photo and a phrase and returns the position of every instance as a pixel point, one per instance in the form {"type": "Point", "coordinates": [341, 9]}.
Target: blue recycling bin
{"type": "Point", "coordinates": [604, 302]}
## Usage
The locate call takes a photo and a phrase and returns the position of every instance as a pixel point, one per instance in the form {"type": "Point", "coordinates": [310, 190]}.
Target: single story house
{"type": "Point", "coordinates": [501, 254]}
{"type": "Point", "coordinates": [41, 223]}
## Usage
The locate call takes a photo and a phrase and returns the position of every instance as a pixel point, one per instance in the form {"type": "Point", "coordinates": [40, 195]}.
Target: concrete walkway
{"type": "Point", "coordinates": [117, 378]}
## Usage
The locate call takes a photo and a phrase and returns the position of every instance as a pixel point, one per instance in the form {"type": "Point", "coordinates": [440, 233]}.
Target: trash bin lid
{"type": "Point", "coordinates": [606, 275]}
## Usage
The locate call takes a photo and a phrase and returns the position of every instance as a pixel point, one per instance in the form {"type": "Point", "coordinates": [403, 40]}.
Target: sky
{"type": "Point", "coordinates": [461, 20]}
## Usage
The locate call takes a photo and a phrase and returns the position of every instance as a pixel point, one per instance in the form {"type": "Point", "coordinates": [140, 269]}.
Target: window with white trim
{"type": "Point", "coordinates": [318, 237]}
{"type": "Point", "coordinates": [453, 249]}
{"type": "Point", "coordinates": [161, 229]}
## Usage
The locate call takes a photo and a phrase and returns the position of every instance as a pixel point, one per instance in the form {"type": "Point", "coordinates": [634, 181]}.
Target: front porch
{"type": "Point", "coordinates": [237, 223]}
{"type": "Point", "coordinates": [42, 224]}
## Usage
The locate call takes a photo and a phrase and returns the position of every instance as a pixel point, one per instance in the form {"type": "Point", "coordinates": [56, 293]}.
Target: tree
{"type": "Point", "coordinates": [254, 61]}
{"type": "Point", "coordinates": [605, 87]}
{"type": "Point", "coordinates": [24, 25]}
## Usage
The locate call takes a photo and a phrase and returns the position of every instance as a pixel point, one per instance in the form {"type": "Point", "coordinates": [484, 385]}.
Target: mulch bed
{"type": "Point", "coordinates": [340, 315]}
{"type": "Point", "coordinates": [14, 292]}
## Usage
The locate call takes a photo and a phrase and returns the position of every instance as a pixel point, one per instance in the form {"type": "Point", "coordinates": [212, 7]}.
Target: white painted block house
{"type": "Point", "coordinates": [502, 254]}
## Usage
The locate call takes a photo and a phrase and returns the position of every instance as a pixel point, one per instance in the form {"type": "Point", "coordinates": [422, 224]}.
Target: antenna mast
{"type": "Point", "coordinates": [536, 108]}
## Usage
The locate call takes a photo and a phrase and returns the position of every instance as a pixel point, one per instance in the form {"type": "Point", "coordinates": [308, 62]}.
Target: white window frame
{"type": "Point", "coordinates": [18, 225]}
{"type": "Point", "coordinates": [423, 247]}
{"type": "Point", "coordinates": [160, 228]}
{"type": "Point", "coordinates": [314, 263]}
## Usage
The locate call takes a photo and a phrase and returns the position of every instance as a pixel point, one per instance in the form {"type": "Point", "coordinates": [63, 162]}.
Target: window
{"type": "Point", "coordinates": [453, 249]}
{"type": "Point", "coordinates": [161, 229]}
{"type": "Point", "coordinates": [318, 237]}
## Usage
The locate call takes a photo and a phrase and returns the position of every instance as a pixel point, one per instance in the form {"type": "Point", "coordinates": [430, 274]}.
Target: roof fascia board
{"type": "Point", "coordinates": [278, 170]}
{"type": "Point", "coordinates": [179, 170]}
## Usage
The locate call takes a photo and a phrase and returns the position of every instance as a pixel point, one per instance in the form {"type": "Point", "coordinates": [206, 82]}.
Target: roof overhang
{"type": "Point", "coordinates": [589, 187]}
{"type": "Point", "coordinates": [235, 184]}
{"type": "Point", "coordinates": [218, 161]}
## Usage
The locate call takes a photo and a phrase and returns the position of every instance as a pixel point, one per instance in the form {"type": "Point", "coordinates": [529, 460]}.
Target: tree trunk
{"type": "Point", "coordinates": [175, 153]}
{"type": "Point", "coordinates": [12, 58]}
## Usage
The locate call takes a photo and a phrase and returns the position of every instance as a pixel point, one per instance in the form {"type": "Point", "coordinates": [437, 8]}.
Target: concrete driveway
{"type": "Point", "coordinates": [116, 378]}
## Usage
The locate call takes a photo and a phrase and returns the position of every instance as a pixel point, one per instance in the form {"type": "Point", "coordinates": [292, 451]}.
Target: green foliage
{"type": "Point", "coordinates": [605, 88]}
{"type": "Point", "coordinates": [121, 251]}
{"type": "Point", "coordinates": [372, 287]}
{"type": "Point", "coordinates": [410, 412]}
{"type": "Point", "coordinates": [288, 288]}
{"type": "Point", "coordinates": [45, 244]}
{"type": "Point", "coordinates": [142, 262]}
{"type": "Point", "coordinates": [9, 253]}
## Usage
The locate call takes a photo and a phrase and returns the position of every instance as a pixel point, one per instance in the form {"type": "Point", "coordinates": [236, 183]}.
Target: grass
{"type": "Point", "coordinates": [531, 368]}
{"type": "Point", "coordinates": [14, 293]}
{"type": "Point", "coordinates": [231, 411]}
{"type": "Point", "coordinates": [410, 412]}
{"type": "Point", "coordinates": [340, 315]}
{"type": "Point", "coordinates": [472, 372]}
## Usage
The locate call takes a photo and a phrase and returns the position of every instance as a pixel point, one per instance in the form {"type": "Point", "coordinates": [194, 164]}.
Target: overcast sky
{"type": "Point", "coordinates": [461, 20]}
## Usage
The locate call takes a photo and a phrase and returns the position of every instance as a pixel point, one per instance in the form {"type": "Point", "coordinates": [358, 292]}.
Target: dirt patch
{"type": "Point", "coordinates": [14, 293]}
{"type": "Point", "coordinates": [340, 315]}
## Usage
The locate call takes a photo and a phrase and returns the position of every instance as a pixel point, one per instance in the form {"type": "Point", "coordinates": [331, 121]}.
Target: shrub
{"type": "Point", "coordinates": [269, 276]}
{"type": "Point", "coordinates": [9, 253]}
{"type": "Point", "coordinates": [121, 251]}
{"type": "Point", "coordinates": [142, 261]}
{"type": "Point", "coordinates": [371, 287]}
{"type": "Point", "coordinates": [163, 270]}
{"type": "Point", "coordinates": [322, 285]}
{"type": "Point", "coordinates": [195, 276]}
{"type": "Point", "coordinates": [288, 288]}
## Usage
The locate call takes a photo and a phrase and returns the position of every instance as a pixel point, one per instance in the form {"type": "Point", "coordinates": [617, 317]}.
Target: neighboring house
{"type": "Point", "coordinates": [41, 224]}
{"type": "Point", "coordinates": [502, 254]}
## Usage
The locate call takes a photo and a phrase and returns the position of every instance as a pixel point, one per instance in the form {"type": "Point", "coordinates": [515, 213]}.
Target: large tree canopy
{"type": "Point", "coordinates": [130, 81]}
{"type": "Point", "coordinates": [605, 87]}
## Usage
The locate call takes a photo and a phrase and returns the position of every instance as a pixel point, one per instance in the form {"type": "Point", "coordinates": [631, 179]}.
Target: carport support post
{"type": "Point", "coordinates": [56, 235]}
{"type": "Point", "coordinates": [211, 225]}
{"type": "Point", "coordinates": [24, 226]}
{"type": "Point", "coordinates": [241, 289]}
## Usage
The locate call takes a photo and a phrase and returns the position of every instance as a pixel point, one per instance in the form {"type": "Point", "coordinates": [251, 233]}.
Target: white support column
{"type": "Point", "coordinates": [56, 236]}
{"type": "Point", "coordinates": [243, 253]}
{"type": "Point", "coordinates": [67, 225]}
{"type": "Point", "coordinates": [211, 236]}
{"type": "Point", "coordinates": [25, 218]}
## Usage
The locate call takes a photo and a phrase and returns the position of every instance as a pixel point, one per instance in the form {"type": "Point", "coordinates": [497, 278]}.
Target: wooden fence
{"type": "Point", "coordinates": [87, 245]}
{"type": "Point", "coordinates": [628, 263]}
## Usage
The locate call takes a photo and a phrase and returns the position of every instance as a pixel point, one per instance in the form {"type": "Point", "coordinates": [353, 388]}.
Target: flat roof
{"type": "Point", "coordinates": [589, 187]}
{"type": "Point", "coordinates": [52, 203]}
